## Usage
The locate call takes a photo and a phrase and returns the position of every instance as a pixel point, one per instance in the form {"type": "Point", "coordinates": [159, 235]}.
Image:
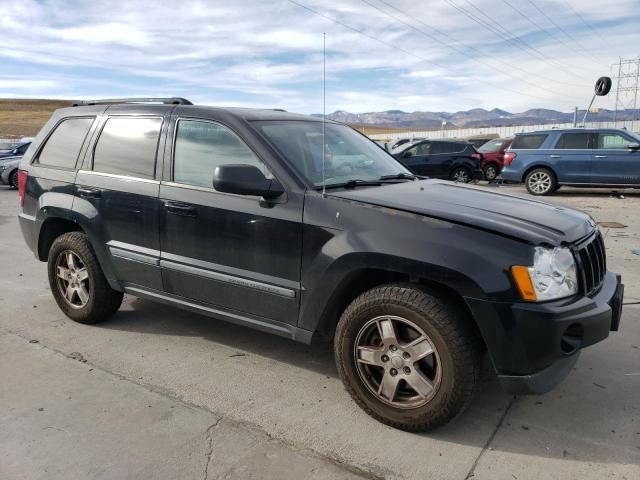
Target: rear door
{"type": "Point", "coordinates": [572, 157]}
{"type": "Point", "coordinates": [117, 194]}
{"type": "Point", "coordinates": [614, 163]}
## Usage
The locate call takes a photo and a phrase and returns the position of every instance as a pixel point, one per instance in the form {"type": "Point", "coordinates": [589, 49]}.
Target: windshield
{"type": "Point", "coordinates": [491, 146]}
{"type": "Point", "coordinates": [349, 156]}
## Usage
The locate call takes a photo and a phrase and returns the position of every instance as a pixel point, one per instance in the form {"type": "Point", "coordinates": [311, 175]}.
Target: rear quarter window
{"type": "Point", "coordinates": [63, 145]}
{"type": "Point", "coordinates": [528, 141]}
{"type": "Point", "coordinates": [574, 141]}
{"type": "Point", "coordinates": [128, 146]}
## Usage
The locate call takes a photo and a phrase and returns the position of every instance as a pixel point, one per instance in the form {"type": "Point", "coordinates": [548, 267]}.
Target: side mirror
{"type": "Point", "coordinates": [245, 180]}
{"type": "Point", "coordinates": [407, 154]}
{"type": "Point", "coordinates": [634, 146]}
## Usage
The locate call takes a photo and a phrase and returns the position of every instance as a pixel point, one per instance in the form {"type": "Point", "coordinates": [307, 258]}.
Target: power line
{"type": "Point", "coordinates": [587, 24]}
{"type": "Point", "coordinates": [407, 52]}
{"type": "Point", "coordinates": [514, 40]}
{"type": "Point", "coordinates": [559, 27]}
{"type": "Point", "coordinates": [470, 47]}
{"type": "Point", "coordinates": [542, 28]}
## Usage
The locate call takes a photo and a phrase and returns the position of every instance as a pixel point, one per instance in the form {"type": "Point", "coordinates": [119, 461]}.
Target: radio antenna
{"type": "Point", "coordinates": [324, 105]}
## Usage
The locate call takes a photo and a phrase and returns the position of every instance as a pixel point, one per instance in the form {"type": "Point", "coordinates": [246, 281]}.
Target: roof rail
{"type": "Point", "coordinates": [111, 101]}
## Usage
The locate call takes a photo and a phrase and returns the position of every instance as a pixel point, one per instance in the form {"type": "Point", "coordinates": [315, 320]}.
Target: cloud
{"type": "Point", "coordinates": [270, 53]}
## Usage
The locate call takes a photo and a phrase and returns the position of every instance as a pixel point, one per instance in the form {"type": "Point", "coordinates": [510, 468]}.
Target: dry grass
{"type": "Point", "coordinates": [24, 118]}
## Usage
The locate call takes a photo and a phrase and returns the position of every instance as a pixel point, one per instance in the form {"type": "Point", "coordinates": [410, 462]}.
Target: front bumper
{"type": "Point", "coordinates": [533, 346]}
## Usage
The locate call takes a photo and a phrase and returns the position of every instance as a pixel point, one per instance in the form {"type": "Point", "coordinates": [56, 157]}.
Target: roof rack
{"type": "Point", "coordinates": [111, 101]}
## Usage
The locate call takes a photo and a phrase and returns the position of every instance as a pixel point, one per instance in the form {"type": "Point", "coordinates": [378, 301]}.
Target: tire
{"type": "Point", "coordinates": [92, 300]}
{"type": "Point", "coordinates": [13, 179]}
{"type": "Point", "coordinates": [453, 369]}
{"type": "Point", "coordinates": [460, 175]}
{"type": "Point", "coordinates": [541, 181]}
{"type": "Point", "coordinates": [491, 172]}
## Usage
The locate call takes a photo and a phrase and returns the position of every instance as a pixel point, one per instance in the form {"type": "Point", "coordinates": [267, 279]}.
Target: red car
{"type": "Point", "coordinates": [493, 156]}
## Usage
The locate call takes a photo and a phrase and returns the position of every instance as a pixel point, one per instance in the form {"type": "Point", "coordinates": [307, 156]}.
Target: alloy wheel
{"type": "Point", "coordinates": [490, 173]}
{"type": "Point", "coordinates": [461, 175]}
{"type": "Point", "coordinates": [397, 362]}
{"type": "Point", "coordinates": [540, 182]}
{"type": "Point", "coordinates": [73, 279]}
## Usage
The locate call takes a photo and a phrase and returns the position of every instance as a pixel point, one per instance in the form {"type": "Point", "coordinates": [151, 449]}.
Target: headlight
{"type": "Point", "coordinates": [552, 276]}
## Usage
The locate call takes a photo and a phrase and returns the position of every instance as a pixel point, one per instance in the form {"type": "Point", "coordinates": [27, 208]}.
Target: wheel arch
{"type": "Point", "coordinates": [539, 165]}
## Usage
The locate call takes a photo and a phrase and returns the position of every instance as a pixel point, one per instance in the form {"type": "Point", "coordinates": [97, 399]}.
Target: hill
{"type": "Point", "coordinates": [24, 118]}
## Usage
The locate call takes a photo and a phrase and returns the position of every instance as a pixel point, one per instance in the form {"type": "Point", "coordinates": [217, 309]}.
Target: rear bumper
{"type": "Point", "coordinates": [477, 174]}
{"type": "Point", "coordinates": [28, 229]}
{"type": "Point", "coordinates": [509, 174]}
{"type": "Point", "coordinates": [533, 346]}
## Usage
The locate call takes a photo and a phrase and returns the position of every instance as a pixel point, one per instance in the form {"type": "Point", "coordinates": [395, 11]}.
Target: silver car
{"type": "Point", "coordinates": [9, 171]}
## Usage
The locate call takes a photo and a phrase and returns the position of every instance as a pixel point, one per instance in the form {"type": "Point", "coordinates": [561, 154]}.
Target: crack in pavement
{"type": "Point", "coordinates": [304, 450]}
{"type": "Point", "coordinates": [472, 470]}
{"type": "Point", "coordinates": [209, 437]}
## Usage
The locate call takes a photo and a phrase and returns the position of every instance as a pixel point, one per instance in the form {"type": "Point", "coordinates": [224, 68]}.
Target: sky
{"type": "Point", "coordinates": [436, 55]}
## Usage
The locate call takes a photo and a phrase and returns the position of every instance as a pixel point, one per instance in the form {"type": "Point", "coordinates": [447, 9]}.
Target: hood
{"type": "Point", "coordinates": [519, 217]}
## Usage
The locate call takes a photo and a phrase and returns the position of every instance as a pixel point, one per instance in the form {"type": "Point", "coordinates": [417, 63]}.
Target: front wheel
{"type": "Point", "coordinates": [460, 174]}
{"type": "Point", "coordinates": [77, 282]}
{"type": "Point", "coordinates": [409, 358]}
{"type": "Point", "coordinates": [541, 181]}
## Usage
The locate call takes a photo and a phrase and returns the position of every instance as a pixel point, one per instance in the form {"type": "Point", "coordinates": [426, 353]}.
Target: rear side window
{"type": "Point", "coordinates": [528, 141]}
{"type": "Point", "coordinates": [202, 146]}
{"type": "Point", "coordinates": [63, 146]}
{"type": "Point", "coordinates": [613, 141]}
{"type": "Point", "coordinates": [128, 146]}
{"type": "Point", "coordinates": [573, 141]}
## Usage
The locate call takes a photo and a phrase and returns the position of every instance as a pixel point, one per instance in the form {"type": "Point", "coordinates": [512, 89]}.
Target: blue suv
{"type": "Point", "coordinates": [578, 157]}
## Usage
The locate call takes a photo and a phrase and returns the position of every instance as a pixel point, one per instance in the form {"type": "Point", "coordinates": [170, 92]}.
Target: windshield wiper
{"type": "Point", "coordinates": [399, 176]}
{"type": "Point", "coordinates": [351, 184]}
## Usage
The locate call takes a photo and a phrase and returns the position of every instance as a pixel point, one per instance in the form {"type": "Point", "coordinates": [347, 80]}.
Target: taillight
{"type": "Point", "coordinates": [22, 185]}
{"type": "Point", "coordinates": [477, 156]}
{"type": "Point", "coordinates": [508, 158]}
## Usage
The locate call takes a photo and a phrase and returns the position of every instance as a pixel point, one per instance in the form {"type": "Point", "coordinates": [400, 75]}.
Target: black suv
{"type": "Point", "coordinates": [275, 221]}
{"type": "Point", "coordinates": [449, 159]}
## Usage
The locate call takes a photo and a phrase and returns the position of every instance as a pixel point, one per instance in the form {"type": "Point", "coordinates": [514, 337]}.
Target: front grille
{"type": "Point", "coordinates": [592, 263]}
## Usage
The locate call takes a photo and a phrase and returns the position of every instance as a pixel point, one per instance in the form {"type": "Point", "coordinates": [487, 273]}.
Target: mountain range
{"type": "Point", "coordinates": [477, 117]}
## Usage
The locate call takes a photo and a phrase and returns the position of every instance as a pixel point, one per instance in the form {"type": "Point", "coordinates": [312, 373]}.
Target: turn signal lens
{"type": "Point", "coordinates": [523, 281]}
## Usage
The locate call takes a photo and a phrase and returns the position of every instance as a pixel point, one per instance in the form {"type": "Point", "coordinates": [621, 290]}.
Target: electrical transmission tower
{"type": "Point", "coordinates": [627, 87]}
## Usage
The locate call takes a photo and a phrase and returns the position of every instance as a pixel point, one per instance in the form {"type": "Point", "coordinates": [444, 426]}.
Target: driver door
{"type": "Point", "coordinates": [225, 250]}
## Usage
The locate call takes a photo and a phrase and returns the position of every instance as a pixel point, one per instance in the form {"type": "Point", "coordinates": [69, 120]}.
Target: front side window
{"type": "Point", "coordinates": [64, 144]}
{"type": "Point", "coordinates": [613, 141]}
{"type": "Point", "coordinates": [528, 141]}
{"type": "Point", "coordinates": [578, 141]}
{"type": "Point", "coordinates": [201, 146]}
{"type": "Point", "coordinates": [347, 154]}
{"type": "Point", "coordinates": [128, 146]}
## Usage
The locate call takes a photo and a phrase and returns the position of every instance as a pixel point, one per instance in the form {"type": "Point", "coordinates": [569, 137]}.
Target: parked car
{"type": "Point", "coordinates": [493, 157]}
{"type": "Point", "coordinates": [479, 140]}
{"type": "Point", "coordinates": [396, 146]}
{"type": "Point", "coordinates": [413, 280]}
{"type": "Point", "coordinates": [9, 171]}
{"type": "Point", "coordinates": [577, 157]}
{"type": "Point", "coordinates": [16, 152]}
{"type": "Point", "coordinates": [452, 160]}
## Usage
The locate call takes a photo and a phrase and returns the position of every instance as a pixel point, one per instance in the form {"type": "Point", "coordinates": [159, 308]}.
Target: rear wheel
{"type": "Point", "coordinates": [491, 172]}
{"type": "Point", "coordinates": [541, 181]}
{"type": "Point", "coordinates": [460, 174]}
{"type": "Point", "coordinates": [407, 357]}
{"type": "Point", "coordinates": [13, 178]}
{"type": "Point", "coordinates": [77, 282]}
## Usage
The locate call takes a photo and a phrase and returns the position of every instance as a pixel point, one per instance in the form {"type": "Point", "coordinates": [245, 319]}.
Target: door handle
{"type": "Point", "coordinates": [601, 156]}
{"type": "Point", "coordinates": [87, 192]}
{"type": "Point", "coordinates": [554, 156]}
{"type": "Point", "coordinates": [183, 209]}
